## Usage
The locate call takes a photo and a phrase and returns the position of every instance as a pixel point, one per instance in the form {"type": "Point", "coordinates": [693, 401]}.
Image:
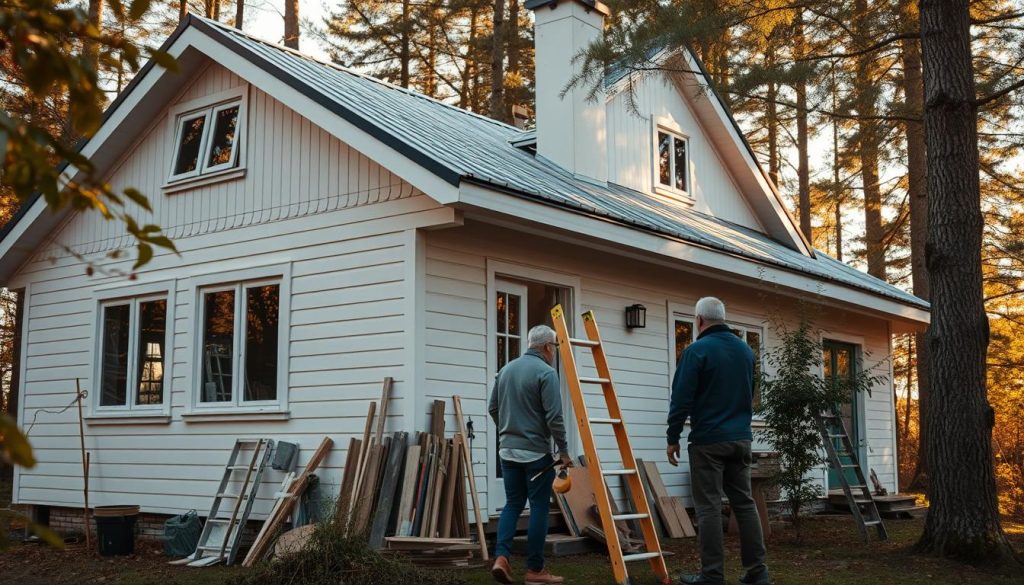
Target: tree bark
{"type": "Point", "coordinates": [498, 63]}
{"type": "Point", "coordinates": [866, 98]}
{"type": "Point", "coordinates": [512, 41]}
{"type": "Point", "coordinates": [90, 48]}
{"type": "Point", "coordinates": [182, 10]}
{"type": "Point", "coordinates": [239, 13]}
{"type": "Point", "coordinates": [804, 164]}
{"type": "Point", "coordinates": [405, 52]}
{"type": "Point", "coordinates": [917, 191]}
{"type": "Point", "coordinates": [291, 24]}
{"type": "Point", "coordinates": [963, 516]}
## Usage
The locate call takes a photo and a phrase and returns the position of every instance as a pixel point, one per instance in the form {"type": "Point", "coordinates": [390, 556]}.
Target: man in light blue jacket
{"type": "Point", "coordinates": [526, 406]}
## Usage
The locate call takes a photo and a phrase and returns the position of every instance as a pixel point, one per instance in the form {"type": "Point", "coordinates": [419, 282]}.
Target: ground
{"type": "Point", "coordinates": [831, 554]}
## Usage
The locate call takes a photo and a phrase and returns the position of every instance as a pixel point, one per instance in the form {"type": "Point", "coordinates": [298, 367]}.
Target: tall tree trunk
{"type": "Point", "coordinates": [866, 96]}
{"type": "Point", "coordinates": [512, 41]}
{"type": "Point", "coordinates": [836, 178]}
{"type": "Point", "coordinates": [90, 48]}
{"type": "Point", "coordinates": [291, 24]}
{"type": "Point", "coordinates": [468, 72]}
{"type": "Point", "coordinates": [772, 116]}
{"type": "Point", "coordinates": [917, 189]}
{"type": "Point", "coordinates": [498, 63]}
{"type": "Point", "coordinates": [239, 13]}
{"type": "Point", "coordinates": [804, 164]}
{"type": "Point", "coordinates": [405, 55]}
{"type": "Point", "coordinates": [963, 516]}
{"type": "Point", "coordinates": [182, 10]}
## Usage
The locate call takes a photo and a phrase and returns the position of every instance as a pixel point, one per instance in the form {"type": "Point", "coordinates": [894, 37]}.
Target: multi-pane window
{"type": "Point", "coordinates": [132, 353]}
{"type": "Point", "coordinates": [206, 140]}
{"type": "Point", "coordinates": [239, 358]}
{"type": "Point", "coordinates": [686, 334]}
{"type": "Point", "coordinates": [673, 168]}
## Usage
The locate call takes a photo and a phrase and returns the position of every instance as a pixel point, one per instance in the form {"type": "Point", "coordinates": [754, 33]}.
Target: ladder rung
{"type": "Point", "coordinates": [831, 436]}
{"type": "Point", "coordinates": [232, 496]}
{"type": "Point", "coordinates": [849, 465]}
{"type": "Point", "coordinates": [238, 467]}
{"type": "Point", "coordinates": [220, 520]}
{"type": "Point", "coordinates": [584, 342]}
{"type": "Point", "coordinates": [618, 472]}
{"type": "Point", "coordinates": [206, 547]}
{"type": "Point", "coordinates": [249, 441]}
{"type": "Point", "coordinates": [606, 421]}
{"type": "Point", "coordinates": [640, 556]}
{"type": "Point", "coordinates": [595, 381]}
{"type": "Point", "coordinates": [872, 522]}
{"type": "Point", "coordinates": [617, 517]}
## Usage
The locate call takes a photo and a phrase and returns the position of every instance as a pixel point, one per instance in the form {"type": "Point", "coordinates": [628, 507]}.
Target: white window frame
{"type": "Point", "coordinates": [664, 126]}
{"type": "Point", "coordinates": [240, 280]}
{"type": "Point", "coordinates": [132, 295]}
{"type": "Point", "coordinates": [207, 107]}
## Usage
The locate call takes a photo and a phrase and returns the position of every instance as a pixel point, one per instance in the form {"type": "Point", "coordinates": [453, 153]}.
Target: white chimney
{"type": "Point", "coordinates": [571, 130]}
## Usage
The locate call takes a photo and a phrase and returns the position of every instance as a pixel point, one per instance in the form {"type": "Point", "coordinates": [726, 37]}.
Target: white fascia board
{"type": "Point", "coordinates": [626, 241]}
{"type": "Point", "coordinates": [417, 176]}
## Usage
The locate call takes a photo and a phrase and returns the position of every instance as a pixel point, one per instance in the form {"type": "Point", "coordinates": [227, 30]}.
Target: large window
{"type": "Point", "coordinates": [685, 328]}
{"type": "Point", "coordinates": [240, 341]}
{"type": "Point", "coordinates": [673, 174]}
{"type": "Point", "coordinates": [206, 140]}
{"type": "Point", "coordinates": [133, 337]}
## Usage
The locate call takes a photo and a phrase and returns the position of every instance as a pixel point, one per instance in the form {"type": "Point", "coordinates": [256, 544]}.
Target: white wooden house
{"type": "Point", "coordinates": [334, 230]}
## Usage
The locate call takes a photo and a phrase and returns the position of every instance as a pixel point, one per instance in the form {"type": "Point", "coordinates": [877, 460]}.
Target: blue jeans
{"type": "Point", "coordinates": [518, 488]}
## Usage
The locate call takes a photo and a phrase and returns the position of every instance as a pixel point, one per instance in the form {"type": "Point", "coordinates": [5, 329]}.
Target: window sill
{"type": "Point", "coordinates": [235, 415]}
{"type": "Point", "coordinates": [127, 419]}
{"type": "Point", "coordinates": [681, 196]}
{"type": "Point", "coordinates": [203, 180]}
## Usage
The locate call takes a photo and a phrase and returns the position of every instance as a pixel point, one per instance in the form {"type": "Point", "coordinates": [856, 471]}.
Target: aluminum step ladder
{"type": "Point", "coordinates": [858, 495]}
{"type": "Point", "coordinates": [221, 535]}
{"type": "Point", "coordinates": [597, 472]}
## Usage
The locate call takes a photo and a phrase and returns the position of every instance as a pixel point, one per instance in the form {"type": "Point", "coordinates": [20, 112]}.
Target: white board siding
{"type": "Point", "coordinates": [342, 225]}
{"type": "Point", "coordinates": [631, 150]}
{"type": "Point", "coordinates": [293, 169]}
{"type": "Point", "coordinates": [639, 359]}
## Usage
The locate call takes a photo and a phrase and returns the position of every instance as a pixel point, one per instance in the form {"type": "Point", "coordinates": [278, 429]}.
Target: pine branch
{"type": "Point", "coordinates": [980, 102]}
{"type": "Point", "coordinates": [870, 49]}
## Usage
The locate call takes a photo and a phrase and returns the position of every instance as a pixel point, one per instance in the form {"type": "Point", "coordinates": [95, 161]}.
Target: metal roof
{"type": "Point", "coordinates": [457, 145]}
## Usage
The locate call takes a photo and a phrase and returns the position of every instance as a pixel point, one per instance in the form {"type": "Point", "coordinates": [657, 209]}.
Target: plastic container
{"type": "Point", "coordinates": [115, 529]}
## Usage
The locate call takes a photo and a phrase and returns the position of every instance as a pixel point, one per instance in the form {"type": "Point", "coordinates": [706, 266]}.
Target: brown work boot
{"type": "Point", "coordinates": [542, 577]}
{"type": "Point", "coordinates": [501, 571]}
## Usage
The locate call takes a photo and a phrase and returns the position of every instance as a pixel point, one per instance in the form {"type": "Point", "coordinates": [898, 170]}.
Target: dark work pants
{"type": "Point", "coordinates": [519, 488]}
{"type": "Point", "coordinates": [725, 467]}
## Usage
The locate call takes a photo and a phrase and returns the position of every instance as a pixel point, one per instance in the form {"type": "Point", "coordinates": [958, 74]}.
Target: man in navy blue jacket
{"type": "Point", "coordinates": [713, 386]}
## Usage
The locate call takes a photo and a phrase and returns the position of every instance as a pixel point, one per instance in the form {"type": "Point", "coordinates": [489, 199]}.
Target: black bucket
{"type": "Point", "coordinates": [115, 529]}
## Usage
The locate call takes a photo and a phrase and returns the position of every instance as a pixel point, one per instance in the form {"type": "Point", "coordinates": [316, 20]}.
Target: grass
{"type": "Point", "coordinates": [831, 554]}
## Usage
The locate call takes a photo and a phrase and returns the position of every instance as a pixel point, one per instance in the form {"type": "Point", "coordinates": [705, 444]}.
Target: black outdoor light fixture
{"type": "Point", "coordinates": [636, 316]}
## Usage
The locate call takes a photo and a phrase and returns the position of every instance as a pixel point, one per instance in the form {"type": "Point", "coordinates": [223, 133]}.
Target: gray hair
{"type": "Point", "coordinates": [711, 309]}
{"type": "Point", "coordinates": [539, 336]}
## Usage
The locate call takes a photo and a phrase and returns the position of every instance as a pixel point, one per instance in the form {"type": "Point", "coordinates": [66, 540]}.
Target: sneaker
{"type": "Point", "coordinates": [542, 577]}
{"type": "Point", "coordinates": [698, 580]}
{"type": "Point", "coordinates": [759, 578]}
{"type": "Point", "coordinates": [502, 571]}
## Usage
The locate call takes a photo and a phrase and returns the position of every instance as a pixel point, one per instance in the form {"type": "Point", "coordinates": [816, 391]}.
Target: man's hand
{"type": "Point", "coordinates": [673, 454]}
{"type": "Point", "coordinates": [565, 460]}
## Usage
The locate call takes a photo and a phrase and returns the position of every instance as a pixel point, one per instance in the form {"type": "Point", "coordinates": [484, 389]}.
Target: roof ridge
{"type": "Point", "coordinates": [350, 71]}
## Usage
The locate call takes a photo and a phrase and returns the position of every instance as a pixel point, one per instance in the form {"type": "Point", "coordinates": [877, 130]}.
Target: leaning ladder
{"type": "Point", "coordinates": [831, 427]}
{"type": "Point", "coordinates": [221, 535]}
{"type": "Point", "coordinates": [597, 473]}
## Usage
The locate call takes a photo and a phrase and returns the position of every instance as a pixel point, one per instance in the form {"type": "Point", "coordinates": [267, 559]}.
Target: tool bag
{"type": "Point", "coordinates": [181, 534]}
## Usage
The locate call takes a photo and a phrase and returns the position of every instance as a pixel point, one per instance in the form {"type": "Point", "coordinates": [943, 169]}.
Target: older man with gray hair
{"type": "Point", "coordinates": [713, 386]}
{"type": "Point", "coordinates": [526, 406]}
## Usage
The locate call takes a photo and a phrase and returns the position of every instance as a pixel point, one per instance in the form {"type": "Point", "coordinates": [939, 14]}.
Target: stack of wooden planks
{"type": "Point", "coordinates": [410, 496]}
{"type": "Point", "coordinates": [675, 521]}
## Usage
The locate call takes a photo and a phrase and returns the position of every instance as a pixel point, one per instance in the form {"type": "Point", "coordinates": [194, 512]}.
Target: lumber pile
{"type": "Point", "coordinates": [408, 494]}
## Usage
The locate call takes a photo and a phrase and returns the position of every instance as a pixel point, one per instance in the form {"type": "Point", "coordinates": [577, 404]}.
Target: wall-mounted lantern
{"type": "Point", "coordinates": [636, 316]}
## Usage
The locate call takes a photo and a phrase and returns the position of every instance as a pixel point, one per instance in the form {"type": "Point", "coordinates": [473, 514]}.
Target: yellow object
{"type": "Point", "coordinates": [563, 482]}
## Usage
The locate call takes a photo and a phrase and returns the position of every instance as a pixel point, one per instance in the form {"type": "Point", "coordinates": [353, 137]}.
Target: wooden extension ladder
{"type": "Point", "coordinates": [862, 504]}
{"type": "Point", "coordinates": [597, 472]}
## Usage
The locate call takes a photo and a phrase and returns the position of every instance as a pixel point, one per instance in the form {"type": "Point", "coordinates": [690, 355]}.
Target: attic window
{"type": "Point", "coordinates": [206, 140]}
{"type": "Point", "coordinates": [672, 165]}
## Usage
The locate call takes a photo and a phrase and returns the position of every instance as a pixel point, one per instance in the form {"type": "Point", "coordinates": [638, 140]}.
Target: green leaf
{"type": "Point", "coordinates": [14, 445]}
{"type": "Point", "coordinates": [138, 8]}
{"type": "Point", "coordinates": [136, 196]}
{"type": "Point", "coordinates": [145, 255]}
{"type": "Point", "coordinates": [164, 59]}
{"type": "Point", "coordinates": [163, 242]}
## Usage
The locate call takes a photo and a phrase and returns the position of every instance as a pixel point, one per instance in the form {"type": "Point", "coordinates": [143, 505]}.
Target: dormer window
{"type": "Point", "coordinates": [672, 175]}
{"type": "Point", "coordinates": [207, 138]}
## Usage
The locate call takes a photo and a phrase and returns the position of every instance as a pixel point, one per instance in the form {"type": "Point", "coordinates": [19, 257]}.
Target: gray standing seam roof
{"type": "Point", "coordinates": [458, 145]}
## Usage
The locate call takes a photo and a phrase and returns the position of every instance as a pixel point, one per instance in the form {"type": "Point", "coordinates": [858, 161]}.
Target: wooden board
{"type": "Point", "coordinates": [437, 489]}
{"type": "Point", "coordinates": [408, 490]}
{"type": "Point", "coordinates": [676, 503]}
{"type": "Point", "coordinates": [385, 398]}
{"type": "Point", "coordinates": [676, 523]}
{"type": "Point", "coordinates": [385, 495]}
{"type": "Point", "coordinates": [437, 419]}
{"type": "Point", "coordinates": [468, 458]}
{"type": "Point", "coordinates": [348, 480]}
{"type": "Point", "coordinates": [451, 481]}
{"type": "Point", "coordinates": [650, 497]}
{"type": "Point", "coordinates": [361, 463]}
{"type": "Point", "coordinates": [421, 487]}
{"type": "Point", "coordinates": [668, 516]}
{"type": "Point", "coordinates": [364, 505]}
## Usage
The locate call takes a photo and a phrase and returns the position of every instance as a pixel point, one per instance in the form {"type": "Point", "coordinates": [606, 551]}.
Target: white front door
{"type": "Point", "coordinates": [510, 327]}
